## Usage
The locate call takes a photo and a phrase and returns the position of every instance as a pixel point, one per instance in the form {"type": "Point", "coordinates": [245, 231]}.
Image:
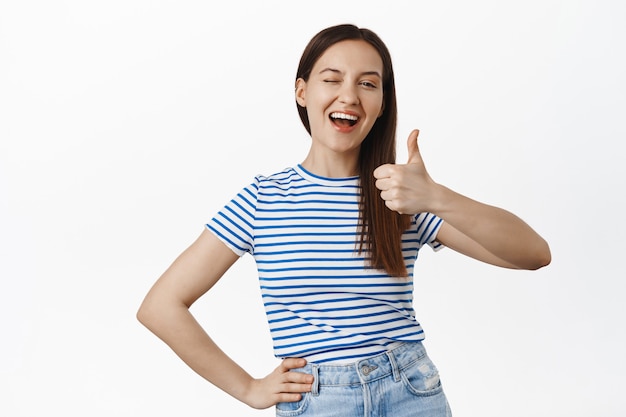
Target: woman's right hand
{"type": "Point", "coordinates": [282, 385]}
{"type": "Point", "coordinates": [165, 311]}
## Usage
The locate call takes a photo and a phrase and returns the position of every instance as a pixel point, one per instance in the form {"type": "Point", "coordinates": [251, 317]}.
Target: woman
{"type": "Point", "coordinates": [335, 239]}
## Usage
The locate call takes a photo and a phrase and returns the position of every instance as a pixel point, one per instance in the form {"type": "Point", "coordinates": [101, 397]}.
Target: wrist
{"type": "Point", "coordinates": [440, 196]}
{"type": "Point", "coordinates": [247, 395]}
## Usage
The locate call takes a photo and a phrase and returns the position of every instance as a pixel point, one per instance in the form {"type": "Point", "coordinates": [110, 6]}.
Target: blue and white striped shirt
{"type": "Point", "coordinates": [323, 302]}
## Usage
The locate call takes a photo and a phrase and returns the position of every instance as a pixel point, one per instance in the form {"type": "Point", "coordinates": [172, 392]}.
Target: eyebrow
{"type": "Point", "coordinates": [334, 70]}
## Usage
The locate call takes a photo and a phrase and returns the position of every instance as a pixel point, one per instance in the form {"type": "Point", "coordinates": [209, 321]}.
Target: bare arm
{"type": "Point", "coordinates": [165, 311]}
{"type": "Point", "coordinates": [493, 235]}
{"type": "Point", "coordinates": [484, 232]}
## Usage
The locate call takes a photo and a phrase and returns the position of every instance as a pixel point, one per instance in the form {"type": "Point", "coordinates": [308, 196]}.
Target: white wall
{"type": "Point", "coordinates": [124, 125]}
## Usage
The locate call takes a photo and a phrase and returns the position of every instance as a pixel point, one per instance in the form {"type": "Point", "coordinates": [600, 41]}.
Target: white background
{"type": "Point", "coordinates": [124, 125]}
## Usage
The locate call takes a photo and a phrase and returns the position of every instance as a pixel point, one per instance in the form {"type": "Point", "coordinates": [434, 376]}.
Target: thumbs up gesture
{"type": "Point", "coordinates": [407, 189]}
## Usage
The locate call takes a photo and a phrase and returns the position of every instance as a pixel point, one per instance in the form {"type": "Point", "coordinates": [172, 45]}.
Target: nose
{"type": "Point", "coordinates": [348, 94]}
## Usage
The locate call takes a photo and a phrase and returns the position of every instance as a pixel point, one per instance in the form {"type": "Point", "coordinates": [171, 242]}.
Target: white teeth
{"type": "Point", "coordinates": [337, 115]}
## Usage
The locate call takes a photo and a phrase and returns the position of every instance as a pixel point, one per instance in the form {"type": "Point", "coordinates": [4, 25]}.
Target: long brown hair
{"type": "Point", "coordinates": [380, 229]}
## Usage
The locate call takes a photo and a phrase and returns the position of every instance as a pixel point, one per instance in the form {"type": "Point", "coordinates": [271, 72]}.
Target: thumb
{"type": "Point", "coordinates": [413, 148]}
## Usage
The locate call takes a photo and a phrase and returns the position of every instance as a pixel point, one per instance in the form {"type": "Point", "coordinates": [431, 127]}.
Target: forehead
{"type": "Point", "coordinates": [350, 55]}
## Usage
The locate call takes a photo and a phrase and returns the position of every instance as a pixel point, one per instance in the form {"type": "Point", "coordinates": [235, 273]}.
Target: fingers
{"type": "Point", "coordinates": [413, 147]}
{"type": "Point", "coordinates": [291, 363]}
{"type": "Point", "coordinates": [383, 171]}
{"type": "Point", "coordinates": [294, 384]}
{"type": "Point", "coordinates": [295, 388]}
{"type": "Point", "coordinates": [289, 377]}
{"type": "Point", "coordinates": [387, 170]}
{"type": "Point", "coordinates": [288, 397]}
{"type": "Point", "coordinates": [299, 377]}
{"type": "Point", "coordinates": [281, 385]}
{"type": "Point", "coordinates": [384, 184]}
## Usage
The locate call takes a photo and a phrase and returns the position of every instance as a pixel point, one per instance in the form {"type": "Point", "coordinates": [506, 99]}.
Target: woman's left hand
{"type": "Point", "coordinates": [407, 189]}
{"type": "Point", "coordinates": [487, 233]}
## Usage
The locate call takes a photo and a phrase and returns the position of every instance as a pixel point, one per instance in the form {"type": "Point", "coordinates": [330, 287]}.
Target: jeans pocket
{"type": "Point", "coordinates": [295, 408]}
{"type": "Point", "coordinates": [422, 378]}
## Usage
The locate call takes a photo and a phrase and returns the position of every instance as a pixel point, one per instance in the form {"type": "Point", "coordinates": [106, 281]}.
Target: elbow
{"type": "Point", "coordinates": [141, 315]}
{"type": "Point", "coordinates": [157, 312]}
{"type": "Point", "coordinates": [146, 314]}
{"type": "Point", "coordinates": [540, 263]}
{"type": "Point", "coordinates": [541, 257]}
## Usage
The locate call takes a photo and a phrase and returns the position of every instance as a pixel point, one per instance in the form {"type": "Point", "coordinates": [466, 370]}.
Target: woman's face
{"type": "Point", "coordinates": [343, 96]}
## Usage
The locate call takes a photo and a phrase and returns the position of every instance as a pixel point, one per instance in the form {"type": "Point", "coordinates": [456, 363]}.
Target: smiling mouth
{"type": "Point", "coordinates": [343, 119]}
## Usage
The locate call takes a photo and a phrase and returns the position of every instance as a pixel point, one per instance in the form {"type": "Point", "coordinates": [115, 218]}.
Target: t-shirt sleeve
{"type": "Point", "coordinates": [234, 223]}
{"type": "Point", "coordinates": [428, 226]}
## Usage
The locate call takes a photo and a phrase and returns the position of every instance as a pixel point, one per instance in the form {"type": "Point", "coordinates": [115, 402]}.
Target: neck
{"type": "Point", "coordinates": [332, 165]}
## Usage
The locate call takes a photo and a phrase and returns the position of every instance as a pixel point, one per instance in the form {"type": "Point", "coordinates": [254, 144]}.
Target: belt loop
{"type": "Point", "coordinates": [394, 366]}
{"type": "Point", "coordinates": [315, 387]}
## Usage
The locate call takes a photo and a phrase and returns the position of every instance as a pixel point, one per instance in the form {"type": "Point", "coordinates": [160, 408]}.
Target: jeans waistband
{"type": "Point", "coordinates": [367, 369]}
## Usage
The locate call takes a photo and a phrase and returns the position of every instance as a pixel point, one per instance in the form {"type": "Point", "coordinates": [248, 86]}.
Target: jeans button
{"type": "Point", "coordinates": [366, 369]}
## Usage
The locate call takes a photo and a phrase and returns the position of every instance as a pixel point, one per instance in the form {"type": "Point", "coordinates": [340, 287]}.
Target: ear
{"type": "Point", "coordinates": [382, 108]}
{"type": "Point", "coordinates": [301, 92]}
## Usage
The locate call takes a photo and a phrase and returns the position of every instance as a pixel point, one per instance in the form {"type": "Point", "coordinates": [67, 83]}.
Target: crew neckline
{"type": "Point", "coordinates": [326, 181]}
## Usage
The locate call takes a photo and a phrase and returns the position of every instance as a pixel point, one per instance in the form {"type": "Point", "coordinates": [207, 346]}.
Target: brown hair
{"type": "Point", "coordinates": [381, 229]}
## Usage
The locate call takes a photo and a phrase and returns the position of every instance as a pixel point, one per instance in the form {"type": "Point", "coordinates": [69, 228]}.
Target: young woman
{"type": "Point", "coordinates": [335, 239]}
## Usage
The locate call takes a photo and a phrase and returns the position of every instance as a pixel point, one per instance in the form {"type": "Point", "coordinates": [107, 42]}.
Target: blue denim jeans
{"type": "Point", "coordinates": [402, 382]}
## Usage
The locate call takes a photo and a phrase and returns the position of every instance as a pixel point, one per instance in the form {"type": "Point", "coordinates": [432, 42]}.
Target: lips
{"type": "Point", "coordinates": [343, 120]}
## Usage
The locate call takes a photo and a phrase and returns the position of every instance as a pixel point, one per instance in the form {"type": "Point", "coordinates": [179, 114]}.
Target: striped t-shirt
{"type": "Point", "coordinates": [323, 302]}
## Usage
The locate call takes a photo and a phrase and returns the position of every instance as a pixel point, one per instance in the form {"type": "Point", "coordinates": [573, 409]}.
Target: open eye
{"type": "Point", "coordinates": [368, 84]}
